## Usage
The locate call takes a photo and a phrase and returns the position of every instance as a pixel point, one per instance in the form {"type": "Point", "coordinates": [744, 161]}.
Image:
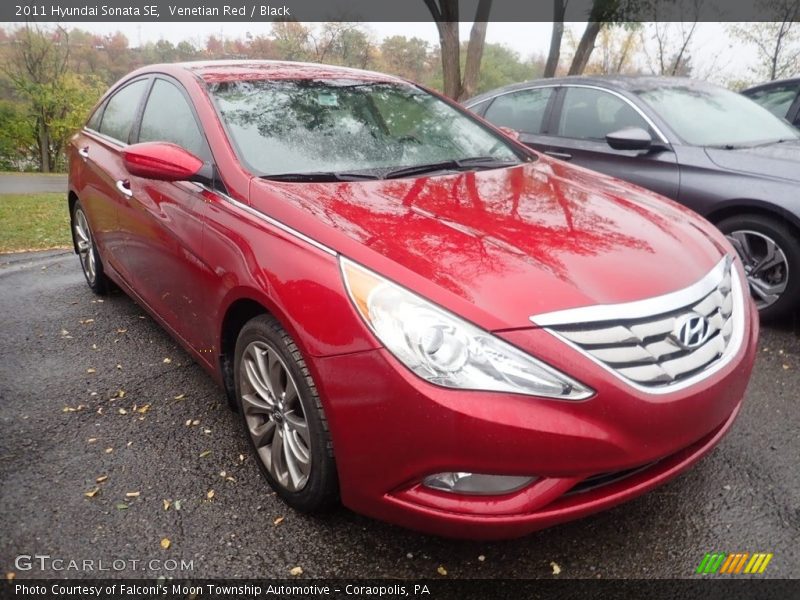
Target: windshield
{"type": "Point", "coordinates": [312, 126]}
{"type": "Point", "coordinates": [706, 116]}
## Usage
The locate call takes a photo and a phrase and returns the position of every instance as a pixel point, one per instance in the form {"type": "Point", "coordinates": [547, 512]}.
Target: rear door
{"type": "Point", "coordinates": [583, 116]}
{"type": "Point", "coordinates": [97, 168]}
{"type": "Point", "coordinates": [164, 221]}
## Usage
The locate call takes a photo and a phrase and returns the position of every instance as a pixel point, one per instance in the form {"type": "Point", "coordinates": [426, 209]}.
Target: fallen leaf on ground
{"type": "Point", "coordinates": [278, 521]}
{"type": "Point", "coordinates": [91, 440]}
{"type": "Point", "coordinates": [91, 493]}
{"type": "Point", "coordinates": [210, 494]}
{"type": "Point", "coordinates": [143, 409]}
{"type": "Point", "coordinates": [165, 543]}
{"type": "Point", "coordinates": [481, 558]}
{"type": "Point", "coordinates": [196, 422]}
{"type": "Point", "coordinates": [68, 409]}
{"type": "Point", "coordinates": [132, 494]}
{"type": "Point", "coordinates": [167, 504]}
{"type": "Point", "coordinates": [205, 453]}
{"type": "Point", "coordinates": [180, 397]}
{"type": "Point", "coordinates": [121, 330]}
{"type": "Point", "coordinates": [296, 571]}
{"type": "Point", "coordinates": [119, 367]}
{"type": "Point", "coordinates": [91, 370]}
{"type": "Point", "coordinates": [441, 570]}
{"type": "Point", "coordinates": [122, 506]}
{"type": "Point", "coordinates": [167, 361]}
{"type": "Point", "coordinates": [101, 479]}
{"type": "Point", "coordinates": [109, 450]}
{"type": "Point", "coordinates": [121, 394]}
{"type": "Point", "coordinates": [87, 321]}
{"type": "Point", "coordinates": [556, 568]}
{"type": "Point", "coordinates": [178, 504]}
{"type": "Point", "coordinates": [122, 411]}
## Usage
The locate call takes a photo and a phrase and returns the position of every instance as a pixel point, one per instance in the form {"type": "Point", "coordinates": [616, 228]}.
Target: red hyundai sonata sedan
{"type": "Point", "coordinates": [411, 311]}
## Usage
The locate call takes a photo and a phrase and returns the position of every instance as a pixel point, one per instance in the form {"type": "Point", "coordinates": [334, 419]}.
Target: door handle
{"type": "Point", "coordinates": [84, 152]}
{"type": "Point", "coordinates": [561, 155]}
{"type": "Point", "coordinates": [124, 188]}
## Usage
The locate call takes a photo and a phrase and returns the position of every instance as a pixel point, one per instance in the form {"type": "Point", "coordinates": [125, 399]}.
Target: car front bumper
{"type": "Point", "coordinates": [390, 429]}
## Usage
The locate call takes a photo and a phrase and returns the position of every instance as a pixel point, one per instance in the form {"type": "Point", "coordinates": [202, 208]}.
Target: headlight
{"type": "Point", "coordinates": [445, 349]}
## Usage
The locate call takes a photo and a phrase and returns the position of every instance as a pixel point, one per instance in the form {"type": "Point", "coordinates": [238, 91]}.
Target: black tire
{"type": "Point", "coordinates": [321, 488]}
{"type": "Point", "coordinates": [758, 229]}
{"type": "Point", "coordinates": [97, 280]}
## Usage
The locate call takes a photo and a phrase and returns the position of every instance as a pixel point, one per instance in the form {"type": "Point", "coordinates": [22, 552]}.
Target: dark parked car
{"type": "Point", "coordinates": [706, 147]}
{"type": "Point", "coordinates": [781, 98]}
{"type": "Point", "coordinates": [411, 311]}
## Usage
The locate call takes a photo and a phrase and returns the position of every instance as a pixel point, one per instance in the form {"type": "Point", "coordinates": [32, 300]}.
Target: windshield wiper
{"type": "Point", "coordinates": [461, 164]}
{"type": "Point", "coordinates": [312, 176]}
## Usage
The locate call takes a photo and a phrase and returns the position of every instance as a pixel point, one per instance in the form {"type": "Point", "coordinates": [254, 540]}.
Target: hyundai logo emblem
{"type": "Point", "coordinates": [691, 331]}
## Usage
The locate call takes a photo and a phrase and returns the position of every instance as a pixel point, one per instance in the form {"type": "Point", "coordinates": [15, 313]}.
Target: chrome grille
{"type": "Point", "coordinates": [641, 341]}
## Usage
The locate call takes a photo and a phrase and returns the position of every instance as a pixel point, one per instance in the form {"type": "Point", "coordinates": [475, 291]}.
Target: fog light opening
{"type": "Point", "coordinates": [477, 484]}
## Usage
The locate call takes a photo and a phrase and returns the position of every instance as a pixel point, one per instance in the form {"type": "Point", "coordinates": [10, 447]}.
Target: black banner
{"type": "Point", "coordinates": [385, 11]}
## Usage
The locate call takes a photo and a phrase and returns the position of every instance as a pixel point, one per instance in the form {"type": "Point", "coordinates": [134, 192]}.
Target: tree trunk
{"type": "Point", "coordinates": [585, 48]}
{"type": "Point", "coordinates": [477, 39]}
{"type": "Point", "coordinates": [43, 141]}
{"type": "Point", "coordinates": [451, 58]}
{"type": "Point", "coordinates": [554, 54]}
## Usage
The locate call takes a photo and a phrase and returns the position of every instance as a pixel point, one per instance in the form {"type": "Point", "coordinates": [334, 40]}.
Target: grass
{"type": "Point", "coordinates": [33, 222]}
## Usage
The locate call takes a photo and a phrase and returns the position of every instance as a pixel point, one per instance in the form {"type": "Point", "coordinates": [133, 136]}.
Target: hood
{"type": "Point", "coordinates": [501, 245]}
{"type": "Point", "coordinates": [780, 160]}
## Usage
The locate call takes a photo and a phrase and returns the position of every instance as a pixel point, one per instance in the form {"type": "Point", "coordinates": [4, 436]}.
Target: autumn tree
{"type": "Point", "coordinates": [406, 57]}
{"type": "Point", "coordinates": [56, 98]}
{"type": "Point", "coordinates": [445, 14]}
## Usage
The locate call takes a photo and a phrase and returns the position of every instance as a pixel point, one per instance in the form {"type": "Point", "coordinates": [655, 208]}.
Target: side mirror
{"type": "Point", "coordinates": [512, 133]}
{"type": "Point", "coordinates": [163, 161]}
{"type": "Point", "coordinates": [629, 138]}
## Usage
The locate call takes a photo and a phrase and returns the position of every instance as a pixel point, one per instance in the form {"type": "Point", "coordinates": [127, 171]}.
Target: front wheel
{"type": "Point", "coordinates": [770, 254]}
{"type": "Point", "coordinates": [283, 417]}
{"type": "Point", "coordinates": [87, 251]}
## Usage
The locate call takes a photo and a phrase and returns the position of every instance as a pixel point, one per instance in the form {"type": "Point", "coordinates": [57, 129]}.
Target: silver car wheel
{"type": "Point", "coordinates": [274, 415]}
{"type": "Point", "coordinates": [83, 241]}
{"type": "Point", "coordinates": [765, 265]}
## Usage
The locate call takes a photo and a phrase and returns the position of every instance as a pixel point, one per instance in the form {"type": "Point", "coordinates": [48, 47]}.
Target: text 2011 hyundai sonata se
{"type": "Point", "coordinates": [411, 311]}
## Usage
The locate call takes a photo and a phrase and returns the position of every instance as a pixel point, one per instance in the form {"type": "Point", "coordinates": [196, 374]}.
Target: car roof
{"type": "Point", "coordinates": [769, 84]}
{"type": "Point", "coordinates": [238, 70]}
{"type": "Point", "coordinates": [626, 83]}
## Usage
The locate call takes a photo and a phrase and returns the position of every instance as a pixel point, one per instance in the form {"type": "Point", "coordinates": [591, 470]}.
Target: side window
{"type": "Point", "coordinates": [121, 110]}
{"type": "Point", "coordinates": [167, 117]}
{"type": "Point", "coordinates": [94, 120]}
{"type": "Point", "coordinates": [592, 114]}
{"type": "Point", "coordinates": [522, 111]}
{"type": "Point", "coordinates": [776, 100]}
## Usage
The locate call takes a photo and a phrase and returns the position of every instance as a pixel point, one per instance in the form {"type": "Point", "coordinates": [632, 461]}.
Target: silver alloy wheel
{"type": "Point", "coordinates": [83, 239]}
{"type": "Point", "coordinates": [764, 263]}
{"type": "Point", "coordinates": [274, 415]}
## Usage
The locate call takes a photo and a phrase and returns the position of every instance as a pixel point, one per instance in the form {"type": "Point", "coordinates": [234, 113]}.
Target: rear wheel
{"type": "Point", "coordinates": [770, 253]}
{"type": "Point", "coordinates": [87, 252]}
{"type": "Point", "coordinates": [283, 417]}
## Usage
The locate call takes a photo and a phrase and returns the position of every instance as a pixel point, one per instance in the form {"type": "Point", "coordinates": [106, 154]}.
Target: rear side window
{"type": "Point", "coordinates": [168, 117]}
{"type": "Point", "coordinates": [776, 100]}
{"type": "Point", "coordinates": [94, 120]}
{"type": "Point", "coordinates": [592, 114]}
{"type": "Point", "coordinates": [120, 112]}
{"type": "Point", "coordinates": [480, 107]}
{"type": "Point", "coordinates": [522, 111]}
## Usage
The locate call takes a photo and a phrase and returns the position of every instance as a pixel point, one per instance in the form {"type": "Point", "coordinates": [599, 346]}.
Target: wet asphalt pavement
{"type": "Point", "coordinates": [32, 183]}
{"type": "Point", "coordinates": [92, 388]}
